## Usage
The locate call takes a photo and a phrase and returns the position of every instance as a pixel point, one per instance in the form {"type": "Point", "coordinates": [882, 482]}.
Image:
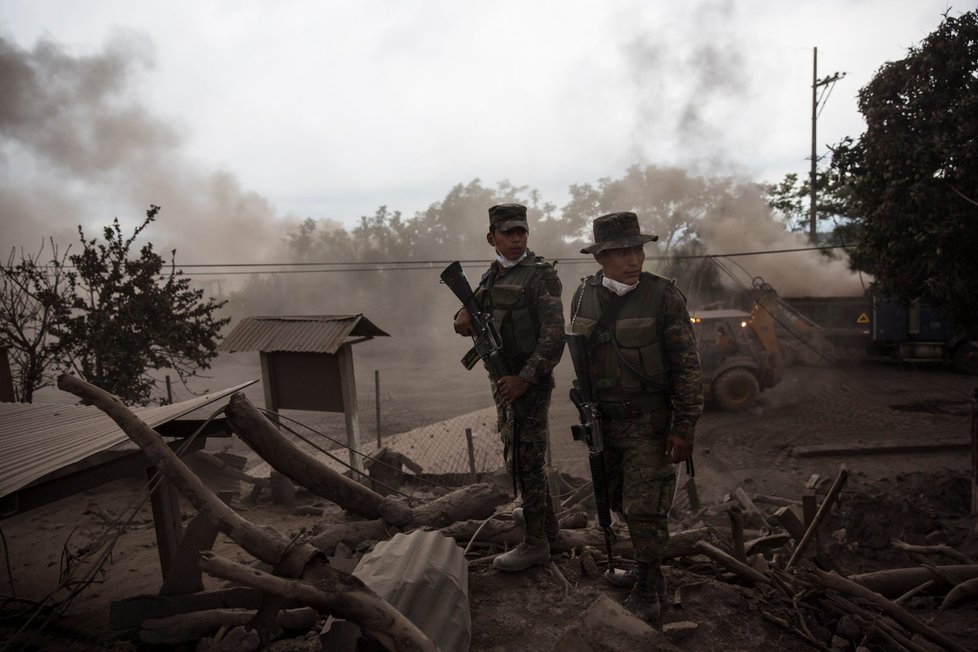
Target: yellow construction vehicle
{"type": "Point", "coordinates": [739, 355]}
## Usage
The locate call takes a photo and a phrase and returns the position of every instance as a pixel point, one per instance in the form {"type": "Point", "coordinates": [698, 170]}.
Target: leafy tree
{"type": "Point", "coordinates": [133, 314]}
{"type": "Point", "coordinates": [913, 174]}
{"type": "Point", "coordinates": [33, 298]}
{"type": "Point", "coordinates": [790, 199]}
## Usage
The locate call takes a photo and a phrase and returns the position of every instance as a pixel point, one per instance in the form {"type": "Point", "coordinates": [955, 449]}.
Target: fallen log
{"type": "Point", "coordinates": [940, 549]}
{"type": "Point", "coordinates": [191, 627]}
{"type": "Point", "coordinates": [359, 605]}
{"type": "Point", "coordinates": [346, 593]}
{"type": "Point", "coordinates": [896, 612]}
{"type": "Point", "coordinates": [897, 581]}
{"type": "Point", "coordinates": [290, 460]}
{"type": "Point", "coordinates": [743, 571]}
{"type": "Point", "coordinates": [474, 501]}
{"type": "Point", "coordinates": [961, 593]}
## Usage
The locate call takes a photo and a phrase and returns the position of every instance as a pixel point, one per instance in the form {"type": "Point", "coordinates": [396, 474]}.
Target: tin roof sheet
{"type": "Point", "coordinates": [298, 333]}
{"type": "Point", "coordinates": [38, 439]}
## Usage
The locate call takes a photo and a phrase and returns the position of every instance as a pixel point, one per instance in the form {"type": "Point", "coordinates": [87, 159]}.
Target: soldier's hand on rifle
{"type": "Point", "coordinates": [463, 323]}
{"type": "Point", "coordinates": [678, 449]}
{"type": "Point", "coordinates": [512, 387]}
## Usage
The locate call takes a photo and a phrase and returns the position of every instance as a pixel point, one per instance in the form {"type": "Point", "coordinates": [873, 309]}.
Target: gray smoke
{"type": "Point", "coordinates": [77, 149]}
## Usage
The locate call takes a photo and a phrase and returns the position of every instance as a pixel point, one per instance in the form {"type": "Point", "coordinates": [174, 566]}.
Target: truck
{"type": "Point", "coordinates": [885, 327]}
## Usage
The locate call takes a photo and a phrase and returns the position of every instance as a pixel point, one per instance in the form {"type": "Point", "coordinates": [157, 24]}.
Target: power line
{"type": "Point", "coordinates": [407, 265]}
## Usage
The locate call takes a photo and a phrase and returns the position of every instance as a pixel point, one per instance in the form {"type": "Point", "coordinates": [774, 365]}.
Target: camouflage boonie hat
{"type": "Point", "coordinates": [617, 231]}
{"type": "Point", "coordinates": [508, 216]}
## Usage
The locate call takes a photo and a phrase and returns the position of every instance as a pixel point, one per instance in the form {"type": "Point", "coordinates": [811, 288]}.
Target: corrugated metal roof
{"type": "Point", "coordinates": [425, 576]}
{"type": "Point", "coordinates": [298, 333]}
{"type": "Point", "coordinates": [37, 439]}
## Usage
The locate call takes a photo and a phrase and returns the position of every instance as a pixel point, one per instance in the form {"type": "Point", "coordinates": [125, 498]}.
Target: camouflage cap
{"type": "Point", "coordinates": [504, 217]}
{"type": "Point", "coordinates": [617, 231]}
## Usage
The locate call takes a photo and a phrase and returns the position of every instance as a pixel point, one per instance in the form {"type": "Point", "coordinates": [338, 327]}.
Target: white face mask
{"type": "Point", "coordinates": [618, 288]}
{"type": "Point", "coordinates": [506, 262]}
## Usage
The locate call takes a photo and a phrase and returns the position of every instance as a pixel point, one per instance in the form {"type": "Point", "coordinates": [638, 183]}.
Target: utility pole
{"type": "Point", "coordinates": [817, 83]}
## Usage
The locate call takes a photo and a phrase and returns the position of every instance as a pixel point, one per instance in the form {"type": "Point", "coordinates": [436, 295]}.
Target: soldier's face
{"type": "Point", "coordinates": [510, 244]}
{"type": "Point", "coordinates": [622, 265]}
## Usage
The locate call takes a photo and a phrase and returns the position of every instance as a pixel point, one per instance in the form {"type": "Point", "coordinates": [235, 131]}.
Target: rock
{"type": "Point", "coordinates": [839, 643]}
{"type": "Point", "coordinates": [607, 626]}
{"type": "Point", "coordinates": [679, 630]}
{"type": "Point", "coordinates": [848, 628]}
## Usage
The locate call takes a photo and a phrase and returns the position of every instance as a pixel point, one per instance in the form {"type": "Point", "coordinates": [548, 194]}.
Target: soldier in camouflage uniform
{"type": "Point", "coordinates": [645, 371]}
{"type": "Point", "coordinates": [522, 293]}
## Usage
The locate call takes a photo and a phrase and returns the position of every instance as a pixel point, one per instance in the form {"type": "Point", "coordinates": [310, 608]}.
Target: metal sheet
{"type": "Point", "coordinates": [37, 439]}
{"type": "Point", "coordinates": [298, 333]}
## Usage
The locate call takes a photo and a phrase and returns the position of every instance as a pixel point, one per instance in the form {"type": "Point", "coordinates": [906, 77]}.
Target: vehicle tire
{"type": "Point", "coordinates": [965, 358]}
{"type": "Point", "coordinates": [735, 390]}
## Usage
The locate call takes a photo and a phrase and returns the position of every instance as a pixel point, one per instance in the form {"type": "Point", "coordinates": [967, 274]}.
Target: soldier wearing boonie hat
{"type": "Point", "coordinates": [522, 293]}
{"type": "Point", "coordinates": [646, 374]}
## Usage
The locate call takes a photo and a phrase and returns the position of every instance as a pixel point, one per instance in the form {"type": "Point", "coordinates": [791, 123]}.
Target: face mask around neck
{"type": "Point", "coordinates": [506, 262]}
{"type": "Point", "coordinates": [618, 288]}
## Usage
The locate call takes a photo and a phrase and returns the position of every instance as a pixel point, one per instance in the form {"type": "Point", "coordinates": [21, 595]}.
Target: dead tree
{"type": "Point", "coordinates": [475, 501]}
{"type": "Point", "coordinates": [339, 593]}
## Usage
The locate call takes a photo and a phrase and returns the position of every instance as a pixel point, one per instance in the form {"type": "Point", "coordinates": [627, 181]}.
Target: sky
{"type": "Point", "coordinates": [235, 116]}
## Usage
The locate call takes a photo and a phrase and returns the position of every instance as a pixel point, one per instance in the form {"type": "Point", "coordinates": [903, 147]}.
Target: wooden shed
{"type": "Point", "coordinates": [307, 363]}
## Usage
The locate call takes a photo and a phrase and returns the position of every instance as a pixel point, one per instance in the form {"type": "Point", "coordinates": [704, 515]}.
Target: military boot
{"type": "Point", "coordinates": [550, 524]}
{"type": "Point", "coordinates": [531, 551]}
{"type": "Point", "coordinates": [631, 576]}
{"type": "Point", "coordinates": [643, 601]}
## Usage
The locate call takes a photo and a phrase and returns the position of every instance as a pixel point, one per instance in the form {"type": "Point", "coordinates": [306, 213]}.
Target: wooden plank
{"type": "Point", "coordinates": [749, 505]}
{"type": "Point", "coordinates": [789, 521]}
{"type": "Point", "coordinates": [128, 613]}
{"type": "Point", "coordinates": [348, 387]}
{"type": "Point", "coordinates": [884, 446]}
{"type": "Point", "coordinates": [737, 532]}
{"type": "Point", "coordinates": [184, 576]}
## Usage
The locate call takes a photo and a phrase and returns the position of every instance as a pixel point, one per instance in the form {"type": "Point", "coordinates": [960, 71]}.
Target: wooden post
{"type": "Point", "coordinates": [169, 391]}
{"type": "Point", "coordinates": [165, 502]}
{"type": "Point", "coordinates": [468, 441]}
{"type": "Point", "coordinates": [268, 383]}
{"type": "Point", "coordinates": [348, 385]}
{"type": "Point", "coordinates": [283, 490]}
{"type": "Point", "coordinates": [823, 511]}
{"type": "Point", "coordinates": [809, 505]}
{"type": "Point", "coordinates": [737, 532]}
{"type": "Point", "coordinates": [790, 523]}
{"type": "Point", "coordinates": [377, 402]}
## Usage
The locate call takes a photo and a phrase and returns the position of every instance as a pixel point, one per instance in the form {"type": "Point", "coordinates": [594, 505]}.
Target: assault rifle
{"type": "Point", "coordinates": [487, 346]}
{"type": "Point", "coordinates": [589, 431]}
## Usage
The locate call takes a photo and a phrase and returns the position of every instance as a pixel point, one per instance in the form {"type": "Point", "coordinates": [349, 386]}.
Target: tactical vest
{"type": "Point", "coordinates": [513, 310]}
{"type": "Point", "coordinates": [628, 359]}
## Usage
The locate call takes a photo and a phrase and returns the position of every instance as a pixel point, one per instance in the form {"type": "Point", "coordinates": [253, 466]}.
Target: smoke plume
{"type": "Point", "coordinates": [76, 149]}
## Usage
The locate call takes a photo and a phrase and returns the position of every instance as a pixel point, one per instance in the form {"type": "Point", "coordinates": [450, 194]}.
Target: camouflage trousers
{"type": "Point", "coordinates": [529, 457]}
{"type": "Point", "coordinates": [641, 480]}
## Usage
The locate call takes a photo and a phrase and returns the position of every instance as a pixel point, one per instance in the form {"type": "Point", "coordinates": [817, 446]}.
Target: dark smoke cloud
{"type": "Point", "coordinates": [76, 148]}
